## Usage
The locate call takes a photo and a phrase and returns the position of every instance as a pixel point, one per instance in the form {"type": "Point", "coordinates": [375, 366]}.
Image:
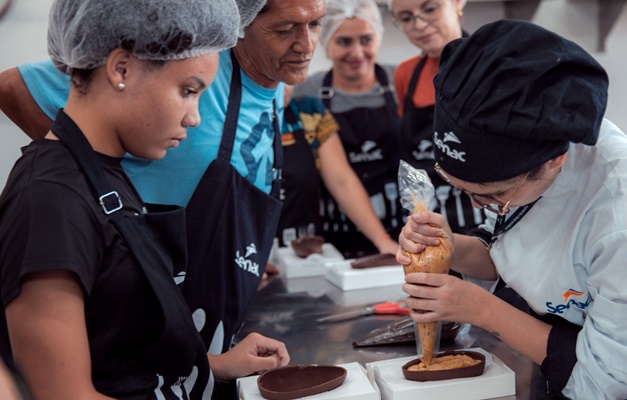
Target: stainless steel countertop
{"type": "Point", "coordinates": [287, 310]}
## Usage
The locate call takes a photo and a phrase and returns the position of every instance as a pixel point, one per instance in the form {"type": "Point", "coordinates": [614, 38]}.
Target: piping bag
{"type": "Point", "coordinates": [416, 193]}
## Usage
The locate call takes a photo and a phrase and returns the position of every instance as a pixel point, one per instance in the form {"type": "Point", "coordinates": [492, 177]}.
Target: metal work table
{"type": "Point", "coordinates": [287, 310]}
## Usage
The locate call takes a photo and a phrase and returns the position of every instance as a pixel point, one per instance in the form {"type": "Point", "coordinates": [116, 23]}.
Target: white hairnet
{"type": "Point", "coordinates": [248, 10]}
{"type": "Point", "coordinates": [82, 33]}
{"type": "Point", "coordinates": [339, 11]}
{"type": "Point", "coordinates": [391, 1]}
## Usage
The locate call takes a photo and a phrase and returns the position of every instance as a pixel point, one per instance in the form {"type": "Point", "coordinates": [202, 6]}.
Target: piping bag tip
{"type": "Point", "coordinates": [429, 346]}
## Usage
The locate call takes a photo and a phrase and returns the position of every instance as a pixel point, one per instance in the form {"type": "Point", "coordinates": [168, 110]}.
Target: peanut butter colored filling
{"type": "Point", "coordinates": [446, 362]}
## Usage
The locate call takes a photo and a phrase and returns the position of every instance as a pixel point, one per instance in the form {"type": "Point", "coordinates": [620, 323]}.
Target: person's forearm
{"type": "Point", "coordinates": [18, 104]}
{"type": "Point", "coordinates": [218, 367]}
{"type": "Point", "coordinates": [472, 259]}
{"type": "Point", "coordinates": [8, 388]}
{"type": "Point", "coordinates": [521, 331]}
{"type": "Point", "coordinates": [355, 202]}
{"type": "Point", "coordinates": [346, 188]}
{"type": "Point", "coordinates": [49, 340]}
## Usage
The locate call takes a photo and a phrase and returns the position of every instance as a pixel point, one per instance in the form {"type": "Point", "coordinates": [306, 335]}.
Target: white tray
{"type": "Point", "coordinates": [357, 386]}
{"type": "Point", "coordinates": [314, 286]}
{"type": "Point", "coordinates": [349, 298]}
{"type": "Point", "coordinates": [496, 381]}
{"type": "Point", "coordinates": [292, 266]}
{"type": "Point", "coordinates": [342, 275]}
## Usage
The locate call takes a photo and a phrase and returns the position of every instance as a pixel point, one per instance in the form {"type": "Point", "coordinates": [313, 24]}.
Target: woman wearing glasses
{"type": "Point", "coordinates": [520, 129]}
{"type": "Point", "coordinates": [429, 25]}
{"type": "Point", "coordinates": [359, 94]}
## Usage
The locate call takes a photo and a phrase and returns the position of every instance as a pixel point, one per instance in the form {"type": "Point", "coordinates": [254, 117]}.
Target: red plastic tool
{"type": "Point", "coordinates": [389, 307]}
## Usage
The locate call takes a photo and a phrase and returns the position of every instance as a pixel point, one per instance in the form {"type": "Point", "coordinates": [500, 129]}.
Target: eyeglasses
{"type": "Point", "coordinates": [428, 13]}
{"type": "Point", "coordinates": [501, 210]}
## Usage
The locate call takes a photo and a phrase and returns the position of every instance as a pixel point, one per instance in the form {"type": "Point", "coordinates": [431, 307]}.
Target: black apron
{"type": "Point", "coordinates": [157, 240]}
{"type": "Point", "coordinates": [230, 230]}
{"type": "Point", "coordinates": [417, 150]}
{"type": "Point", "coordinates": [370, 137]}
{"type": "Point", "coordinates": [300, 187]}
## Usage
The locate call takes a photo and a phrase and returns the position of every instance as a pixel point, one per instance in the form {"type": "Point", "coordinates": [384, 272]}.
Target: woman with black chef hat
{"type": "Point", "coordinates": [519, 127]}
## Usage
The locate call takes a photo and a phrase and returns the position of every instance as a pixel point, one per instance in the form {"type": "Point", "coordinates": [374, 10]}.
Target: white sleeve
{"type": "Point", "coordinates": [601, 368]}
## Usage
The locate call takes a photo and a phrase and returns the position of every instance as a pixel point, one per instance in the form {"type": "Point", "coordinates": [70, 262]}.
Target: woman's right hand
{"type": "Point", "coordinates": [253, 354]}
{"type": "Point", "coordinates": [422, 229]}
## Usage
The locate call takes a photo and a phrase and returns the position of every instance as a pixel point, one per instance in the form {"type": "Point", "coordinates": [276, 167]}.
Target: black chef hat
{"type": "Point", "coordinates": [512, 96]}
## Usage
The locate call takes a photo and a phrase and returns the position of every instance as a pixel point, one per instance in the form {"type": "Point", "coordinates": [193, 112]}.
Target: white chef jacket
{"type": "Point", "coordinates": [568, 257]}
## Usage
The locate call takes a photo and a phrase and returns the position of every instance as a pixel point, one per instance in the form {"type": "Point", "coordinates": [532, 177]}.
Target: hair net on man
{"type": "Point", "coordinates": [82, 33]}
{"type": "Point", "coordinates": [339, 11]}
{"type": "Point", "coordinates": [248, 10]}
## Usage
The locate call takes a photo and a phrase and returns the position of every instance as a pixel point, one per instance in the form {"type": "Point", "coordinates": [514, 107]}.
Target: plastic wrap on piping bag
{"type": "Point", "coordinates": [416, 192]}
{"type": "Point", "coordinates": [414, 186]}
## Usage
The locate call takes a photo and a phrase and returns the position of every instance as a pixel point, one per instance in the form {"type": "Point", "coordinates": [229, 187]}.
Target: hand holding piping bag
{"type": "Point", "coordinates": [416, 190]}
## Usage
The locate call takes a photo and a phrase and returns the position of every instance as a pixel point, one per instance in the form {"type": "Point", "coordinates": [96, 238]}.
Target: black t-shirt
{"type": "Point", "coordinates": [50, 220]}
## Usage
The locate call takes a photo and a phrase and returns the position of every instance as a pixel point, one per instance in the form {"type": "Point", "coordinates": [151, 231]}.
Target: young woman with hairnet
{"type": "Point", "coordinates": [429, 25]}
{"type": "Point", "coordinates": [520, 129]}
{"type": "Point", "coordinates": [91, 309]}
{"type": "Point", "coordinates": [359, 94]}
{"type": "Point", "coordinates": [227, 173]}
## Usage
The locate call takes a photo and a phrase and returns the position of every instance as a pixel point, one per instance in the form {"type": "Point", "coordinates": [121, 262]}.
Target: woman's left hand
{"type": "Point", "coordinates": [270, 271]}
{"type": "Point", "coordinates": [253, 354]}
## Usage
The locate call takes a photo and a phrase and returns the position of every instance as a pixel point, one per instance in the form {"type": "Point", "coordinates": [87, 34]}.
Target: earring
{"type": "Point", "coordinates": [121, 86]}
{"type": "Point", "coordinates": [460, 13]}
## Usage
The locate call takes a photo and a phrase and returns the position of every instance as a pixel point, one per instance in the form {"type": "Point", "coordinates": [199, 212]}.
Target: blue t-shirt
{"type": "Point", "coordinates": [173, 179]}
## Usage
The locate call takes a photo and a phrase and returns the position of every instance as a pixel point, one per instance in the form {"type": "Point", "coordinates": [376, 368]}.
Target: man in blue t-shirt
{"type": "Point", "coordinates": [173, 179]}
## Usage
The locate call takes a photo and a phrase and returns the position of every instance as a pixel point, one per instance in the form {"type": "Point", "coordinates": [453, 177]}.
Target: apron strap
{"type": "Point", "coordinates": [326, 91]}
{"type": "Point", "coordinates": [232, 112]}
{"type": "Point", "coordinates": [413, 83]}
{"type": "Point", "coordinates": [290, 117]}
{"type": "Point", "coordinates": [72, 137]}
{"type": "Point", "coordinates": [277, 170]}
{"type": "Point", "coordinates": [230, 126]}
{"type": "Point", "coordinates": [82, 151]}
{"type": "Point", "coordinates": [387, 90]}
